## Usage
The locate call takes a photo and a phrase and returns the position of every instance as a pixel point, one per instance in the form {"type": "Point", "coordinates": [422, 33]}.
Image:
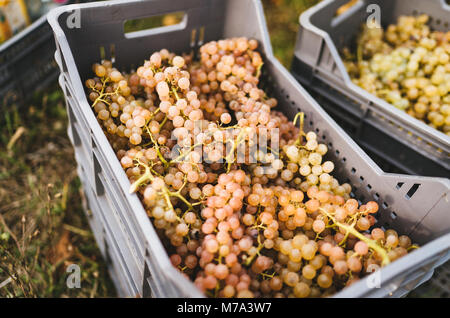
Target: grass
{"type": "Point", "coordinates": [42, 226]}
{"type": "Point", "coordinates": [282, 21]}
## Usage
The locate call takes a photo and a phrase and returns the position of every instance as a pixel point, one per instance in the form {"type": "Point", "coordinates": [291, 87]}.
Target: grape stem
{"type": "Point", "coordinates": [342, 243]}
{"type": "Point", "coordinates": [235, 144]}
{"type": "Point", "coordinates": [164, 161]}
{"type": "Point", "coordinates": [371, 243]}
{"type": "Point", "coordinates": [146, 176]}
{"type": "Point", "coordinates": [414, 246]}
{"type": "Point", "coordinates": [102, 93]}
{"type": "Point", "coordinates": [178, 195]}
{"type": "Point", "coordinates": [354, 220]}
{"type": "Point", "coordinates": [174, 91]}
{"type": "Point", "coordinates": [250, 259]}
{"type": "Point", "coordinates": [166, 193]}
{"type": "Point", "coordinates": [258, 70]}
{"type": "Point", "coordinates": [300, 115]}
{"type": "Point", "coordinates": [185, 154]}
{"type": "Point", "coordinates": [267, 276]}
{"type": "Point", "coordinates": [163, 122]}
{"type": "Point", "coordinates": [259, 226]}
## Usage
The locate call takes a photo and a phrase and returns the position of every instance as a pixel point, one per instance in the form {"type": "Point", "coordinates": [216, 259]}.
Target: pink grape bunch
{"type": "Point", "coordinates": [279, 226]}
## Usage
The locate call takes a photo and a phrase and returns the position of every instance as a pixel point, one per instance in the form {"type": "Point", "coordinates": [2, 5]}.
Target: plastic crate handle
{"type": "Point", "coordinates": [116, 13]}
{"type": "Point", "coordinates": [327, 11]}
{"type": "Point", "coordinates": [145, 32]}
{"type": "Point", "coordinates": [135, 9]}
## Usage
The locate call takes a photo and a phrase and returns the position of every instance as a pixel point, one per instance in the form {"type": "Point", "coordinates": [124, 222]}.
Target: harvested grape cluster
{"type": "Point", "coordinates": [408, 65]}
{"type": "Point", "coordinates": [242, 198]}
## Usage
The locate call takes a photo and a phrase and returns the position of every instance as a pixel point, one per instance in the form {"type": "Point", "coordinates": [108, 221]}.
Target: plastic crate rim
{"type": "Point", "coordinates": [394, 269]}
{"type": "Point", "coordinates": [29, 29]}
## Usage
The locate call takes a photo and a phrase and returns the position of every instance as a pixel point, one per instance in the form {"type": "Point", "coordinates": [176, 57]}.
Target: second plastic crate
{"type": "Point", "coordinates": [27, 63]}
{"type": "Point", "coordinates": [400, 140]}
{"type": "Point", "coordinates": [438, 286]}
{"type": "Point", "coordinates": [416, 206]}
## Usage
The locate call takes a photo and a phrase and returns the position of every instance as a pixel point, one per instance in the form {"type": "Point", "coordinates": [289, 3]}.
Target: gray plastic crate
{"type": "Point", "coordinates": [417, 206]}
{"type": "Point", "coordinates": [437, 286]}
{"type": "Point", "coordinates": [116, 267]}
{"type": "Point", "coordinates": [27, 63]}
{"type": "Point", "coordinates": [400, 140]}
{"type": "Point", "coordinates": [97, 224]}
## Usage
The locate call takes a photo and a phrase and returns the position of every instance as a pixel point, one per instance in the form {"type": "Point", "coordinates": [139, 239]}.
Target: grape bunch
{"type": "Point", "coordinates": [408, 65]}
{"type": "Point", "coordinates": [238, 217]}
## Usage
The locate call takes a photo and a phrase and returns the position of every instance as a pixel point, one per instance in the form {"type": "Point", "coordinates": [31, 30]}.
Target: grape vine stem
{"type": "Point", "coordinates": [371, 243]}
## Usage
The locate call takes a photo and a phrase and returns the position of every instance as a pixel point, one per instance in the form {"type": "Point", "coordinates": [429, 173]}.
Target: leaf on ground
{"type": "Point", "coordinates": [62, 250]}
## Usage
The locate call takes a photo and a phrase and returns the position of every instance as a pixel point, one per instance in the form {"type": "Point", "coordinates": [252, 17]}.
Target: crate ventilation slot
{"type": "Point", "coordinates": [201, 36]}
{"type": "Point", "coordinates": [193, 37]}
{"type": "Point", "coordinates": [102, 53]}
{"type": "Point", "coordinates": [412, 190]}
{"type": "Point", "coordinates": [112, 53]}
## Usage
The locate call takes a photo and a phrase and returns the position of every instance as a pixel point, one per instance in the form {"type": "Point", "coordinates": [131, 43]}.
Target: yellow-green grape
{"type": "Point", "coordinates": [408, 65]}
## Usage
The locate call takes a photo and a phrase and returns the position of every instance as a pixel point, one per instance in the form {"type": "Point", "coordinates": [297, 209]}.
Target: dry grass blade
{"type": "Point", "coordinates": [8, 230]}
{"type": "Point", "coordinates": [19, 132]}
